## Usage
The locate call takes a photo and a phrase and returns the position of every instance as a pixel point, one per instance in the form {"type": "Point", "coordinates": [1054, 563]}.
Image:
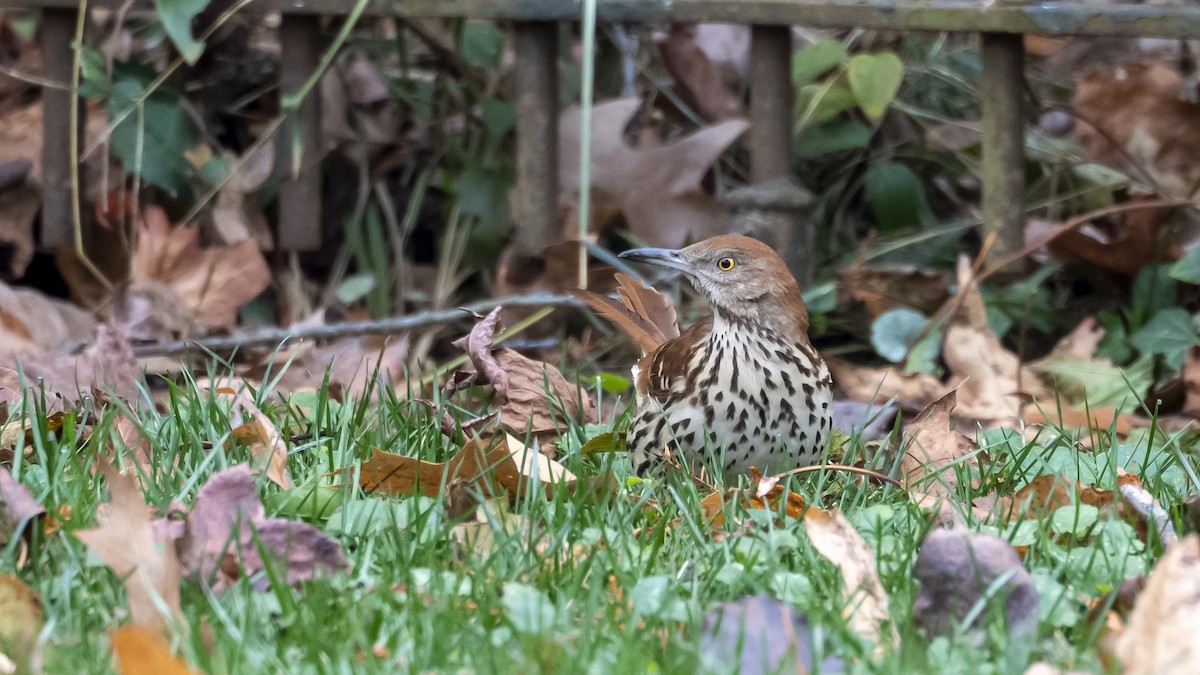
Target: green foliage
{"type": "Point", "coordinates": [151, 141]}
{"type": "Point", "coordinates": [897, 197]}
{"type": "Point", "coordinates": [874, 79]}
{"type": "Point", "coordinates": [176, 17]}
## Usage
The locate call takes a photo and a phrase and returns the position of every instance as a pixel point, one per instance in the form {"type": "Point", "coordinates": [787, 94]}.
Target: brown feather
{"type": "Point", "coordinates": [641, 330]}
{"type": "Point", "coordinates": [642, 312]}
{"type": "Point", "coordinates": [648, 302]}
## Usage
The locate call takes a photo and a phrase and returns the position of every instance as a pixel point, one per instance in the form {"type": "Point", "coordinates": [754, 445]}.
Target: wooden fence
{"type": "Point", "coordinates": [1001, 24]}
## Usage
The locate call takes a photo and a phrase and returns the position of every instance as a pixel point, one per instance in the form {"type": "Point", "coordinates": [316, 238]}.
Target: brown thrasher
{"type": "Point", "coordinates": [743, 387]}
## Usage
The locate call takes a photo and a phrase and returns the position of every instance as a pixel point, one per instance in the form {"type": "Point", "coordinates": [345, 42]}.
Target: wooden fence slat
{"type": "Point", "coordinates": [1002, 99]}
{"type": "Point", "coordinates": [537, 209]}
{"type": "Point", "coordinates": [772, 98]}
{"type": "Point", "coordinates": [57, 33]}
{"type": "Point", "coordinates": [300, 192]}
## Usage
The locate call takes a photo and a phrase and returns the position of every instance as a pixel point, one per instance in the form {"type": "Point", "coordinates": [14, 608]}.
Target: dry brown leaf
{"type": "Point", "coordinates": [763, 493]}
{"type": "Point", "coordinates": [226, 532]}
{"type": "Point", "coordinates": [865, 603]}
{"type": "Point", "coordinates": [1191, 382]}
{"type": "Point", "coordinates": [268, 451]}
{"type": "Point", "coordinates": [1161, 636]}
{"type": "Point", "coordinates": [1100, 417]}
{"type": "Point", "coordinates": [503, 470]}
{"type": "Point", "coordinates": [882, 288]}
{"type": "Point", "coordinates": [31, 321]}
{"type": "Point", "coordinates": [994, 382]}
{"type": "Point", "coordinates": [933, 454]}
{"type": "Point", "coordinates": [708, 63]}
{"type": "Point", "coordinates": [528, 391]}
{"type": "Point", "coordinates": [20, 616]}
{"type": "Point", "coordinates": [18, 509]}
{"type": "Point", "coordinates": [1044, 494]}
{"type": "Point", "coordinates": [143, 652]}
{"type": "Point", "coordinates": [126, 542]}
{"type": "Point", "coordinates": [879, 385]}
{"type": "Point", "coordinates": [106, 367]}
{"type": "Point", "coordinates": [1135, 118]}
{"type": "Point", "coordinates": [1121, 247]}
{"type": "Point", "coordinates": [478, 345]}
{"type": "Point", "coordinates": [658, 187]}
{"type": "Point", "coordinates": [211, 283]}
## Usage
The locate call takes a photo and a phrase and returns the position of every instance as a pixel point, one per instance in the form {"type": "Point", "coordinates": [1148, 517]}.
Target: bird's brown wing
{"type": "Point", "coordinates": [641, 312]}
{"type": "Point", "coordinates": [661, 373]}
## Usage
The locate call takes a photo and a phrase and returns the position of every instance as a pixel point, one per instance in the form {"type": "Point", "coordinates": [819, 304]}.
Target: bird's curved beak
{"type": "Point", "coordinates": [663, 257]}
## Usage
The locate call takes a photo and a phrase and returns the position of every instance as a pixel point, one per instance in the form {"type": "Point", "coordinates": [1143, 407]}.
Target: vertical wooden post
{"type": "Point", "coordinates": [771, 120]}
{"type": "Point", "coordinates": [536, 47]}
{"type": "Point", "coordinates": [58, 31]}
{"type": "Point", "coordinates": [298, 146]}
{"type": "Point", "coordinates": [1002, 100]}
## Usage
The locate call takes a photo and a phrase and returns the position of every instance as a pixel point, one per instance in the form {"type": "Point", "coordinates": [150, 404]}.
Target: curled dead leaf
{"type": "Point", "coordinates": [1161, 636]}
{"type": "Point", "coordinates": [212, 283]}
{"type": "Point", "coordinates": [125, 540]}
{"type": "Point", "coordinates": [534, 397]}
{"type": "Point", "coordinates": [865, 601]}
{"type": "Point", "coordinates": [934, 454]}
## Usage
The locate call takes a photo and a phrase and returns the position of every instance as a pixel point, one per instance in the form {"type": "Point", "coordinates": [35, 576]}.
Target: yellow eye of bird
{"type": "Point", "coordinates": [725, 264]}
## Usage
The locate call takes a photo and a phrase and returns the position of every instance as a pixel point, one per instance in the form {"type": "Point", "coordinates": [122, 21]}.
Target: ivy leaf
{"type": "Point", "coordinates": [817, 59]}
{"type": "Point", "coordinates": [176, 17]}
{"type": "Point", "coordinates": [481, 44]}
{"type": "Point", "coordinates": [875, 79]}
{"type": "Point", "coordinates": [1187, 269]}
{"type": "Point", "coordinates": [1169, 333]}
{"type": "Point", "coordinates": [151, 142]}
{"type": "Point", "coordinates": [897, 197]}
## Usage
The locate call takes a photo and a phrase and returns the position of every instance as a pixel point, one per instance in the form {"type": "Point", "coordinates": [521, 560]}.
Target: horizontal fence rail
{"type": "Point", "coordinates": [1001, 24]}
{"type": "Point", "coordinates": [979, 16]}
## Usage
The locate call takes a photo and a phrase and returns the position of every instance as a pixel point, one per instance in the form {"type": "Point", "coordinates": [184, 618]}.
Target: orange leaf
{"type": "Point", "coordinates": [141, 651]}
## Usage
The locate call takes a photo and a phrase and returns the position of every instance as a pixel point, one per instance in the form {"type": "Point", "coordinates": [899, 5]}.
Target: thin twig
{"type": "Point", "coordinates": [387, 326]}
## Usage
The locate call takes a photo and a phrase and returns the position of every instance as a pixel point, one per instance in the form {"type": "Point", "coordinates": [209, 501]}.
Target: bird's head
{"type": "Point", "coordinates": [743, 279]}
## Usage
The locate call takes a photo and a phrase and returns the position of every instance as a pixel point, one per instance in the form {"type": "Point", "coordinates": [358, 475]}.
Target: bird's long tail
{"type": "Point", "coordinates": [641, 312]}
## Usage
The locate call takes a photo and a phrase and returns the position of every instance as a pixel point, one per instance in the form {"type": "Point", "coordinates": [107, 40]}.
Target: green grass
{"type": "Point", "coordinates": [585, 581]}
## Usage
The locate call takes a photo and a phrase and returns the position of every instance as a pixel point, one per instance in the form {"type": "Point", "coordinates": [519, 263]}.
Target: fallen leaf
{"type": "Point", "coordinates": [1134, 117]}
{"type": "Point", "coordinates": [934, 453]}
{"type": "Point", "coordinates": [504, 470]}
{"type": "Point", "coordinates": [1041, 496]}
{"type": "Point", "coordinates": [533, 397]}
{"type": "Point", "coordinates": [658, 187]}
{"type": "Point", "coordinates": [105, 366]}
{"type": "Point", "coordinates": [1161, 637]}
{"type": "Point", "coordinates": [762, 493]}
{"type": "Point", "coordinates": [1121, 246]}
{"type": "Point", "coordinates": [1191, 382]}
{"type": "Point", "coordinates": [31, 321]}
{"type": "Point", "coordinates": [268, 451]}
{"type": "Point", "coordinates": [994, 382]}
{"type": "Point", "coordinates": [211, 283]}
{"type": "Point", "coordinates": [143, 652]}
{"type": "Point", "coordinates": [880, 289]}
{"type": "Point", "coordinates": [956, 568]}
{"type": "Point", "coordinates": [21, 618]}
{"type": "Point", "coordinates": [226, 534]}
{"type": "Point", "coordinates": [880, 385]}
{"type": "Point", "coordinates": [126, 542]}
{"type": "Point", "coordinates": [865, 604]}
{"type": "Point", "coordinates": [18, 509]}
{"type": "Point", "coordinates": [708, 63]}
